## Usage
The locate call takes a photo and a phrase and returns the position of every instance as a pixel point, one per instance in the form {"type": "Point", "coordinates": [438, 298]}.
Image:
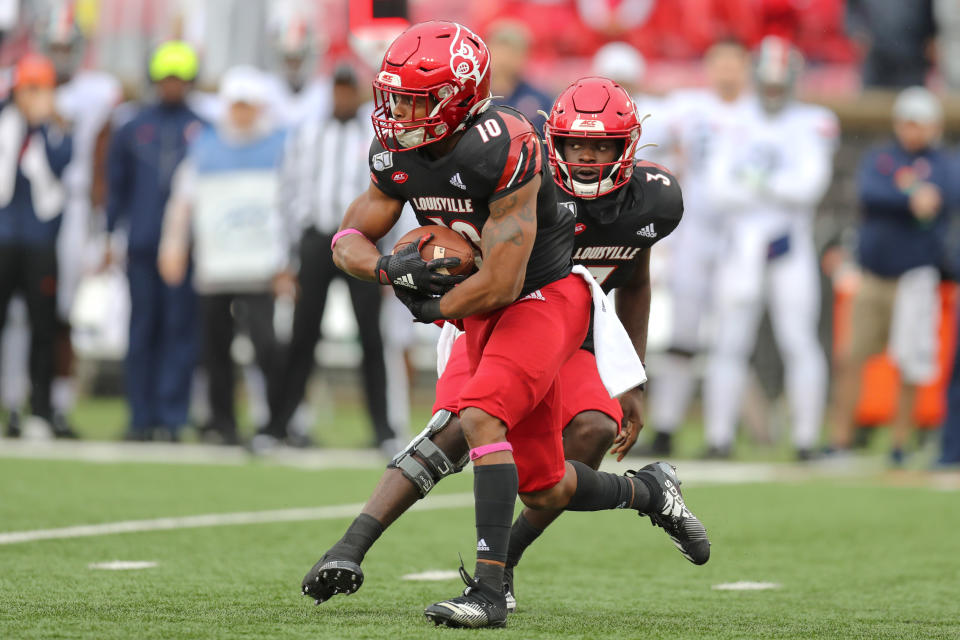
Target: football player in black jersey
{"type": "Point", "coordinates": [477, 169]}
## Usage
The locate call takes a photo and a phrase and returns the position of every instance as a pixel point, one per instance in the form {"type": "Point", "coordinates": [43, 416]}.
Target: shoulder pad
{"type": "Point", "coordinates": [501, 152]}
{"type": "Point", "coordinates": [661, 193]}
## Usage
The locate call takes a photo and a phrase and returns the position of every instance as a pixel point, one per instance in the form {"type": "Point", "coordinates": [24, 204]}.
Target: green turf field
{"type": "Point", "coordinates": [858, 559]}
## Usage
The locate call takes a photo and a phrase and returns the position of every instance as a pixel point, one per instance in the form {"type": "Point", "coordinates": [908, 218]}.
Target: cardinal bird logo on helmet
{"type": "Point", "coordinates": [463, 59]}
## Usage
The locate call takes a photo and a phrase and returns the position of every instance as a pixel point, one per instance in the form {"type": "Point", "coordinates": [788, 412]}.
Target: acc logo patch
{"type": "Point", "coordinates": [399, 177]}
{"type": "Point", "coordinates": [579, 228]}
{"type": "Point", "coordinates": [383, 160]}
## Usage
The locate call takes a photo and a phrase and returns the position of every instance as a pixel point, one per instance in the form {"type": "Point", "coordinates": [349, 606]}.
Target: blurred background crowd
{"type": "Point", "coordinates": [172, 173]}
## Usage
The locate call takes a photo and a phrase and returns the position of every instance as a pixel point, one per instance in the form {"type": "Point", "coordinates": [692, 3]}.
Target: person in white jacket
{"type": "Point", "coordinates": [686, 125]}
{"type": "Point", "coordinates": [222, 212]}
{"type": "Point", "coordinates": [765, 178]}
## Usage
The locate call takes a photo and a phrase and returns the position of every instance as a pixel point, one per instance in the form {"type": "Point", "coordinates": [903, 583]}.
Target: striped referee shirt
{"type": "Point", "coordinates": [325, 168]}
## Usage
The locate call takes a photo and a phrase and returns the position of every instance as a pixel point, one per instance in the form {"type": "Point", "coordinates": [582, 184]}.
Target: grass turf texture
{"type": "Point", "coordinates": [855, 561]}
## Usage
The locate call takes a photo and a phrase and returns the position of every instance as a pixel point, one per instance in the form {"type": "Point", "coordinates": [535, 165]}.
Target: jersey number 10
{"type": "Point", "coordinates": [462, 227]}
{"type": "Point", "coordinates": [488, 129]}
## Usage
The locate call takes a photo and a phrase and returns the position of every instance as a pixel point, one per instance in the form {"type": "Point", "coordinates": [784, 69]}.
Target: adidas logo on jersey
{"type": "Point", "coordinates": [482, 545]}
{"type": "Point", "coordinates": [457, 182]}
{"type": "Point", "coordinates": [647, 231]}
{"type": "Point", "coordinates": [406, 280]}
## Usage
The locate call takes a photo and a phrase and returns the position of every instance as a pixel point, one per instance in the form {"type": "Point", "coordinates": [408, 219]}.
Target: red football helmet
{"type": "Point", "coordinates": [593, 108]}
{"type": "Point", "coordinates": [441, 72]}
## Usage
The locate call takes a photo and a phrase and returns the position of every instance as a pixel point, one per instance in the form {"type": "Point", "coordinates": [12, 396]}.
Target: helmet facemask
{"type": "Point", "coordinates": [607, 176]}
{"type": "Point", "coordinates": [409, 133]}
{"type": "Point", "coordinates": [402, 135]}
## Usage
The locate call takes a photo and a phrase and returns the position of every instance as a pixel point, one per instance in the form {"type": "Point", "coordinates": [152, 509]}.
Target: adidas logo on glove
{"type": "Point", "coordinates": [406, 280]}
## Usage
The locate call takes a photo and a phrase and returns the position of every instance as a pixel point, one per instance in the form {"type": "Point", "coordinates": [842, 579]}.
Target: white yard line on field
{"type": "Point", "coordinates": [122, 565]}
{"type": "Point", "coordinates": [745, 585]}
{"type": "Point", "coordinates": [448, 501]}
{"type": "Point", "coordinates": [433, 575]}
{"type": "Point", "coordinates": [186, 453]}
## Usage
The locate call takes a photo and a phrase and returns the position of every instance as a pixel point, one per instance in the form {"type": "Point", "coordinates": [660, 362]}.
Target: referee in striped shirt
{"type": "Point", "coordinates": [325, 168]}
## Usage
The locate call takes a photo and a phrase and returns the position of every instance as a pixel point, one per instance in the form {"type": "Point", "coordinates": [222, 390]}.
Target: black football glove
{"type": "Point", "coordinates": [406, 270]}
{"type": "Point", "coordinates": [425, 309]}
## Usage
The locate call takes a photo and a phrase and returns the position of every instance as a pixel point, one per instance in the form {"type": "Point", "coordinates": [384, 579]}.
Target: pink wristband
{"type": "Point", "coordinates": [340, 234]}
{"type": "Point", "coordinates": [479, 452]}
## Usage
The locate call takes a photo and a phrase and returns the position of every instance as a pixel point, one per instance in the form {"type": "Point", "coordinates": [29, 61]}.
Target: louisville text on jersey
{"type": "Point", "coordinates": [436, 203]}
{"type": "Point", "coordinates": [606, 253]}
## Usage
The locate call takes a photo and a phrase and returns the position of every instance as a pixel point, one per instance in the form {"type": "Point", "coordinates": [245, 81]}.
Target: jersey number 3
{"type": "Point", "coordinates": [658, 176]}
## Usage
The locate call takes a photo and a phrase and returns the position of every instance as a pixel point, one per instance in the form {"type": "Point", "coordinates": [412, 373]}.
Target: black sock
{"type": "Point", "coordinates": [360, 536]}
{"type": "Point", "coordinates": [656, 498]}
{"type": "Point", "coordinates": [495, 494]}
{"type": "Point", "coordinates": [522, 535]}
{"type": "Point", "coordinates": [599, 490]}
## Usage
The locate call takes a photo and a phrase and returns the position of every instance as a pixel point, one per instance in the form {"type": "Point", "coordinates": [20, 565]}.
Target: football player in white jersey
{"type": "Point", "coordinates": [299, 95]}
{"type": "Point", "coordinates": [687, 123]}
{"type": "Point", "coordinates": [765, 179]}
{"type": "Point", "coordinates": [84, 100]}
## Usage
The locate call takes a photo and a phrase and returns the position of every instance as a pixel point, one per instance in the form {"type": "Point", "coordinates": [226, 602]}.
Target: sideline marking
{"type": "Point", "coordinates": [187, 453]}
{"type": "Point", "coordinates": [745, 585]}
{"type": "Point", "coordinates": [434, 575]}
{"type": "Point", "coordinates": [434, 502]}
{"type": "Point", "coordinates": [122, 565]}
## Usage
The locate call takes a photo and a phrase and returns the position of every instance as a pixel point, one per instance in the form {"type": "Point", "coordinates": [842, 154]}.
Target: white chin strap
{"type": "Point", "coordinates": [411, 137]}
{"type": "Point", "coordinates": [588, 190]}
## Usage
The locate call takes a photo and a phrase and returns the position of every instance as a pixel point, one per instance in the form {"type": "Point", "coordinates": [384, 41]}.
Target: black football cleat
{"type": "Point", "coordinates": [686, 531]}
{"type": "Point", "coordinates": [480, 606]}
{"type": "Point", "coordinates": [329, 577]}
{"type": "Point", "coordinates": [508, 590]}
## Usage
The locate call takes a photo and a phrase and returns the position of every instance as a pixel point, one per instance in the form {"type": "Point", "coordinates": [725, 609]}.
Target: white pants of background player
{"type": "Point", "coordinates": [694, 254]}
{"type": "Point", "coordinates": [789, 285]}
{"type": "Point", "coordinates": [15, 356]}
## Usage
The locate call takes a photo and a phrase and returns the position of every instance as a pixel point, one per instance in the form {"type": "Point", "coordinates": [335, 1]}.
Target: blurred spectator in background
{"type": "Point", "coordinates": [85, 98]}
{"type": "Point", "coordinates": [624, 65]}
{"type": "Point", "coordinates": [947, 18]}
{"type": "Point", "coordinates": [294, 94]}
{"type": "Point", "coordinates": [143, 155]}
{"type": "Point", "coordinates": [299, 95]}
{"type": "Point", "coordinates": [688, 125]}
{"type": "Point", "coordinates": [34, 152]}
{"type": "Point", "coordinates": [223, 202]}
{"type": "Point", "coordinates": [509, 43]}
{"type": "Point", "coordinates": [895, 38]}
{"type": "Point", "coordinates": [325, 168]}
{"type": "Point", "coordinates": [904, 189]}
{"type": "Point", "coordinates": [766, 178]}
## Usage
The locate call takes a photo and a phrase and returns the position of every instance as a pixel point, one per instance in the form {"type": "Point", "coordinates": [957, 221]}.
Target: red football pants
{"type": "Point", "coordinates": [513, 360]}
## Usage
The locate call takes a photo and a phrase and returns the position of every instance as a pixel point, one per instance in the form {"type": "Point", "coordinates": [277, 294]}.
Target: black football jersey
{"type": "Point", "coordinates": [612, 231]}
{"type": "Point", "coordinates": [499, 153]}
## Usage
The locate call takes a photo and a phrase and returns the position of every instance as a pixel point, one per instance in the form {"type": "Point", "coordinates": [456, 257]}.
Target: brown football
{"type": "Point", "coordinates": [446, 243]}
